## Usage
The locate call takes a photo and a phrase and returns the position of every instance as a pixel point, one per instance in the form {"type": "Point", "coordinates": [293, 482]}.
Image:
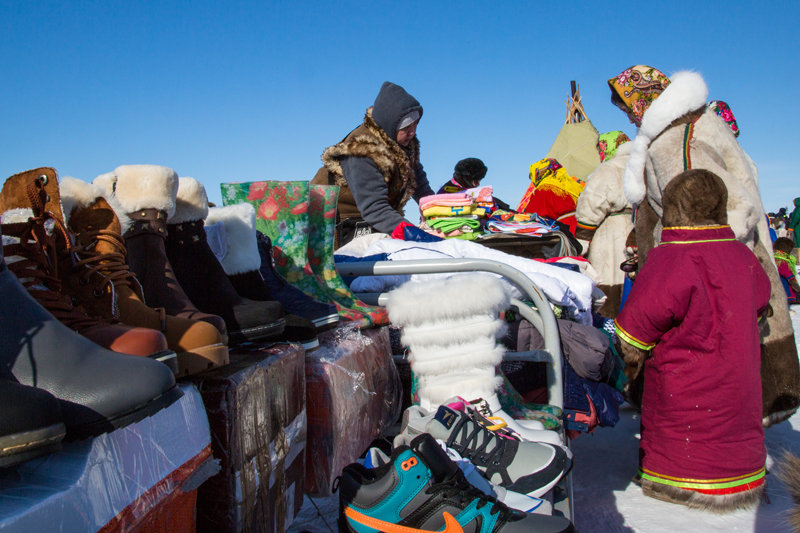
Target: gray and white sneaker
{"type": "Point", "coordinates": [531, 468]}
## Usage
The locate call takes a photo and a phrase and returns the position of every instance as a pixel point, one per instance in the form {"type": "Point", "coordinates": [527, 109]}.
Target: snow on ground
{"type": "Point", "coordinates": [606, 501]}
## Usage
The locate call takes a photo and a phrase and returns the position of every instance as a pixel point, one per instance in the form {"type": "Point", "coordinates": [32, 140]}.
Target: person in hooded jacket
{"type": "Point", "coordinates": [794, 223]}
{"type": "Point", "coordinates": [377, 167]}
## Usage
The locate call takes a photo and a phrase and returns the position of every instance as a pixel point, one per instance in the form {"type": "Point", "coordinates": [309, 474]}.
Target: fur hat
{"type": "Point", "coordinates": [695, 197]}
{"type": "Point", "coordinates": [471, 167]}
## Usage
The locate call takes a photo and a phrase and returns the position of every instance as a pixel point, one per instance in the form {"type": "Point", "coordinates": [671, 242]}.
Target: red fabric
{"type": "Point", "coordinates": [549, 202]}
{"type": "Point", "coordinates": [785, 271]}
{"type": "Point", "coordinates": [699, 302]}
{"type": "Point", "coordinates": [398, 233]}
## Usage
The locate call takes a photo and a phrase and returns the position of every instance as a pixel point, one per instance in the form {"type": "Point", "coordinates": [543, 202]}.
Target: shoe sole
{"type": "Point", "coordinates": [202, 359]}
{"type": "Point", "coordinates": [326, 322]}
{"type": "Point", "coordinates": [106, 425]}
{"type": "Point", "coordinates": [168, 357]}
{"type": "Point", "coordinates": [256, 333]}
{"type": "Point", "coordinates": [26, 445]}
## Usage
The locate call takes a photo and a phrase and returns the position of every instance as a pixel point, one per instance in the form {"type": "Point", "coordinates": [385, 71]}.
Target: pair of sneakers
{"type": "Point", "coordinates": [420, 489]}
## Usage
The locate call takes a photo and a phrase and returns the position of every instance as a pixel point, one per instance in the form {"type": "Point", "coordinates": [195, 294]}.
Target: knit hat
{"type": "Point", "coordinates": [471, 167]}
{"type": "Point", "coordinates": [408, 120]}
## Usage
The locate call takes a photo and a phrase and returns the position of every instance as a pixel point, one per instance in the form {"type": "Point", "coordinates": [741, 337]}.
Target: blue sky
{"type": "Point", "coordinates": [240, 91]}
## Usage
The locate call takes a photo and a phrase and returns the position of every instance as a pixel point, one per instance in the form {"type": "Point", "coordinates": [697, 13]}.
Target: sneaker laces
{"type": "Point", "coordinates": [473, 443]}
{"type": "Point", "coordinates": [455, 487]}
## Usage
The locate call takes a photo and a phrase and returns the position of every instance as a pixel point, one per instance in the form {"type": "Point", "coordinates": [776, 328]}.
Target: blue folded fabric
{"type": "Point", "coordinates": [414, 234]}
{"type": "Point", "coordinates": [353, 259]}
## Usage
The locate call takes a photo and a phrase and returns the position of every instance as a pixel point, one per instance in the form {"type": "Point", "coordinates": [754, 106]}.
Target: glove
{"type": "Point", "coordinates": [405, 231]}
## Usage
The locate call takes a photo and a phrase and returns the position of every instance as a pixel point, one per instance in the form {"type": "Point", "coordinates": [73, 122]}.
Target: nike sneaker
{"type": "Point", "coordinates": [521, 502]}
{"type": "Point", "coordinates": [531, 468]}
{"type": "Point", "coordinates": [420, 490]}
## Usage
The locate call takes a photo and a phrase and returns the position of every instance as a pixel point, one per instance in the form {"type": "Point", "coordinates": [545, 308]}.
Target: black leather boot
{"type": "Point", "coordinates": [30, 423]}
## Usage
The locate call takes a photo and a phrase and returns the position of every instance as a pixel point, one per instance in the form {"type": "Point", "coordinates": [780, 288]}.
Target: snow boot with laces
{"type": "Point", "coordinates": [98, 390]}
{"type": "Point", "coordinates": [203, 278]}
{"type": "Point", "coordinates": [38, 247]}
{"type": "Point", "coordinates": [106, 287]}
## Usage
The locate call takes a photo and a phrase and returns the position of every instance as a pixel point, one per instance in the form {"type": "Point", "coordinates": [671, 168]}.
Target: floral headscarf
{"type": "Point", "coordinates": [724, 111]}
{"type": "Point", "coordinates": [637, 87]}
{"type": "Point", "coordinates": [609, 142]}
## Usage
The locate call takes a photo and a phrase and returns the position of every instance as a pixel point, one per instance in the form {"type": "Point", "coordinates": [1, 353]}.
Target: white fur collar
{"type": "Point", "coordinates": [191, 204]}
{"type": "Point", "coordinates": [686, 92]}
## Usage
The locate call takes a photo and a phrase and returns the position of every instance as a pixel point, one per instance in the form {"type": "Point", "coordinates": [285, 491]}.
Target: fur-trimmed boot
{"type": "Point", "coordinates": [106, 287]}
{"type": "Point", "coordinates": [243, 265]}
{"type": "Point", "coordinates": [204, 279]}
{"type": "Point", "coordinates": [143, 197]}
{"type": "Point", "coordinates": [451, 327]}
{"type": "Point", "coordinates": [98, 390]}
{"type": "Point", "coordinates": [38, 248]}
{"type": "Point", "coordinates": [789, 472]}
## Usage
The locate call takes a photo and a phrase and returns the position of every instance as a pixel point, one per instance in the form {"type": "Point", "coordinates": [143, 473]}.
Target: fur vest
{"type": "Point", "coordinates": [397, 166]}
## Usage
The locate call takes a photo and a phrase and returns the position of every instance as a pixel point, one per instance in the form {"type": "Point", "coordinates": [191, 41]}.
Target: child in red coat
{"type": "Point", "coordinates": [691, 321]}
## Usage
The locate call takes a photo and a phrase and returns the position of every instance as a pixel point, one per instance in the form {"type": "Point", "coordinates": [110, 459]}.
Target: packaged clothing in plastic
{"type": "Point", "coordinates": [353, 395]}
{"type": "Point", "coordinates": [143, 477]}
{"type": "Point", "coordinates": [256, 410]}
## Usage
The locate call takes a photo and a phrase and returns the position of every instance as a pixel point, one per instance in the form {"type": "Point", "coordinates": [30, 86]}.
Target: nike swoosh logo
{"type": "Point", "coordinates": [451, 525]}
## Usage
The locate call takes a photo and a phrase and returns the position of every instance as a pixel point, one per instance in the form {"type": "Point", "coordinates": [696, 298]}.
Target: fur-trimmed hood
{"type": "Point", "coordinates": [191, 203]}
{"type": "Point", "coordinates": [396, 164]}
{"type": "Point", "coordinates": [239, 221]}
{"type": "Point", "coordinates": [687, 92]}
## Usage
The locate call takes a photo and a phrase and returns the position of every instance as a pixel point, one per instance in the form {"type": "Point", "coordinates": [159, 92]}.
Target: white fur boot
{"type": "Point", "coordinates": [451, 327]}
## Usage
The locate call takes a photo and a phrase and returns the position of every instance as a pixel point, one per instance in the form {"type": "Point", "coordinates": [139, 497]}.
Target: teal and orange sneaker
{"type": "Point", "coordinates": [422, 491]}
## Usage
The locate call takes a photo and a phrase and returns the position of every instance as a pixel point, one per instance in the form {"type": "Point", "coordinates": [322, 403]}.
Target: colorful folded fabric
{"type": "Point", "coordinates": [449, 224]}
{"type": "Point", "coordinates": [482, 194]}
{"type": "Point", "coordinates": [446, 199]}
{"type": "Point", "coordinates": [527, 228]}
{"type": "Point", "coordinates": [450, 211]}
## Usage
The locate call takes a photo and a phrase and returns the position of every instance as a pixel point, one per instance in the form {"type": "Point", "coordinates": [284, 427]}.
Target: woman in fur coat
{"type": "Point", "coordinates": [377, 167]}
{"type": "Point", "coordinates": [677, 131]}
{"type": "Point", "coordinates": [605, 220]}
{"type": "Point", "coordinates": [694, 311]}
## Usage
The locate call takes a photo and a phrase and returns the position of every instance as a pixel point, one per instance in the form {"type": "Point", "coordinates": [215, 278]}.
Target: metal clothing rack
{"type": "Point", "coordinates": [540, 316]}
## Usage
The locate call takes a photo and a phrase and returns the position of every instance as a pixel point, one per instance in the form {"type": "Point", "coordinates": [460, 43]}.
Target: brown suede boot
{"type": "Point", "coordinates": [106, 287]}
{"type": "Point", "coordinates": [34, 232]}
{"type": "Point", "coordinates": [143, 197]}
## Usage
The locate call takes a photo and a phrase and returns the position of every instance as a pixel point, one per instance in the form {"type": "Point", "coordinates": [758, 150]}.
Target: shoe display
{"type": "Point", "coordinates": [521, 502]}
{"type": "Point", "coordinates": [39, 251]}
{"type": "Point", "coordinates": [422, 490]}
{"type": "Point", "coordinates": [531, 468]}
{"type": "Point", "coordinates": [30, 423]}
{"type": "Point", "coordinates": [98, 390]}
{"type": "Point", "coordinates": [489, 413]}
{"type": "Point", "coordinates": [105, 286]}
{"type": "Point", "coordinates": [143, 197]}
{"type": "Point", "coordinates": [244, 263]}
{"type": "Point", "coordinates": [202, 277]}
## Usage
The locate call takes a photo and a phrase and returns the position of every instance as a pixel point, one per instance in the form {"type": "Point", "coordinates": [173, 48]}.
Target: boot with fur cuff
{"type": "Point", "coordinates": [98, 390]}
{"type": "Point", "coordinates": [37, 245]}
{"type": "Point", "coordinates": [106, 287]}
{"type": "Point", "coordinates": [243, 265]}
{"type": "Point", "coordinates": [143, 197]}
{"type": "Point", "coordinates": [203, 278]}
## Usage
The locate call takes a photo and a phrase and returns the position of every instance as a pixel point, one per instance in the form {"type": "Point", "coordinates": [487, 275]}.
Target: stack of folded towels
{"type": "Point", "coordinates": [457, 215]}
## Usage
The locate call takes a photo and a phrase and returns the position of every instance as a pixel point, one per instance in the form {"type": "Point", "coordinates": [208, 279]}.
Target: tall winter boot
{"type": "Point", "coordinates": [98, 390]}
{"type": "Point", "coordinates": [452, 327]}
{"type": "Point", "coordinates": [322, 228]}
{"type": "Point", "coordinates": [143, 197]}
{"type": "Point", "coordinates": [31, 423]}
{"type": "Point", "coordinates": [243, 265]}
{"type": "Point", "coordinates": [38, 246]}
{"type": "Point", "coordinates": [203, 278]}
{"type": "Point", "coordinates": [104, 284]}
